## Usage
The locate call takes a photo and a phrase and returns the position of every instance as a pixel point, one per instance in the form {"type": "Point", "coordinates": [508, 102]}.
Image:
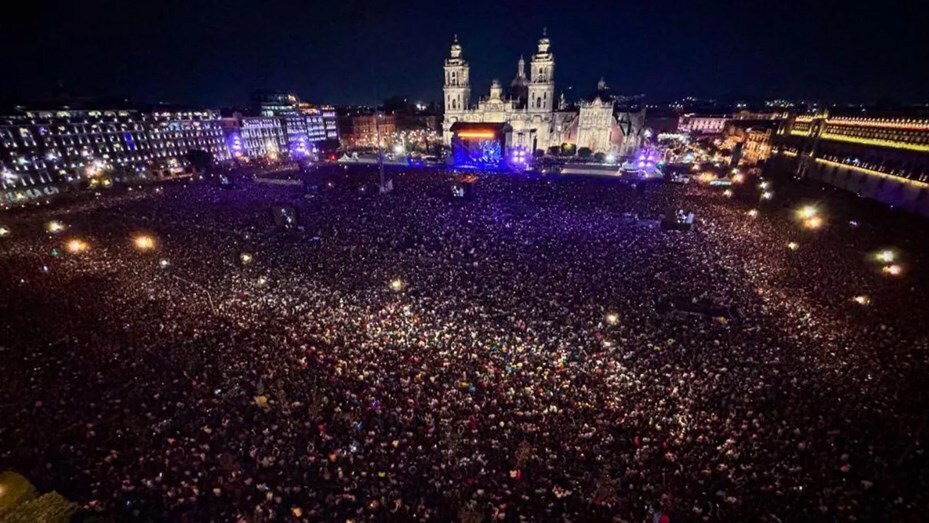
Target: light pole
{"type": "Point", "coordinates": [380, 157]}
{"type": "Point", "coordinates": [201, 287]}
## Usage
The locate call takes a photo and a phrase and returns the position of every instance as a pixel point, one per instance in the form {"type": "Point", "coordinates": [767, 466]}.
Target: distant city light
{"type": "Point", "coordinates": [753, 213]}
{"type": "Point", "coordinates": [793, 246]}
{"type": "Point", "coordinates": [763, 185]}
{"type": "Point", "coordinates": [396, 285]}
{"type": "Point", "coordinates": [4, 231]}
{"type": "Point", "coordinates": [246, 258]}
{"type": "Point", "coordinates": [738, 178]}
{"type": "Point", "coordinates": [144, 242]}
{"type": "Point", "coordinates": [164, 263]}
{"type": "Point", "coordinates": [862, 300]}
{"type": "Point", "coordinates": [612, 318]}
{"type": "Point", "coordinates": [727, 193]}
{"type": "Point", "coordinates": [262, 280]}
{"type": "Point", "coordinates": [767, 195]}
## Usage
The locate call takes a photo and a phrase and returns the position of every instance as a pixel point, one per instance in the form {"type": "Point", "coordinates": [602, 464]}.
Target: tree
{"type": "Point", "coordinates": [199, 159]}
{"type": "Point", "coordinates": [568, 149]}
{"type": "Point", "coordinates": [554, 150]}
{"type": "Point", "coordinates": [539, 153]}
{"type": "Point", "coordinates": [584, 152]}
{"type": "Point", "coordinates": [600, 157]}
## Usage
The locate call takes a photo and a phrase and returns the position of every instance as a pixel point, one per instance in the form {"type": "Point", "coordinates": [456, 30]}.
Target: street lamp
{"type": "Point", "coordinates": [76, 246]}
{"type": "Point", "coordinates": [144, 242]}
{"type": "Point", "coordinates": [813, 223]}
{"type": "Point", "coordinates": [886, 256]}
{"type": "Point", "coordinates": [892, 270]}
{"type": "Point", "coordinates": [807, 212]}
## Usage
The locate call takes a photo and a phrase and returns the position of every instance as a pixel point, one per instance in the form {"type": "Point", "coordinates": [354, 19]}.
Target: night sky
{"type": "Point", "coordinates": [352, 51]}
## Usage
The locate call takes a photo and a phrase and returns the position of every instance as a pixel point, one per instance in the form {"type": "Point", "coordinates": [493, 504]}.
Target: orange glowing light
{"type": "Point", "coordinates": [76, 246]}
{"type": "Point", "coordinates": [476, 134]}
{"type": "Point", "coordinates": [144, 242]}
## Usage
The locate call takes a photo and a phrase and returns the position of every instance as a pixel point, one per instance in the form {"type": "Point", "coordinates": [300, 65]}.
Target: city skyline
{"type": "Point", "coordinates": [362, 52]}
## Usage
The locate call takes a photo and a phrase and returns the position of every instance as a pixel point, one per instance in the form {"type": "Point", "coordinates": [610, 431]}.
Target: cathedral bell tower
{"type": "Point", "coordinates": [542, 78]}
{"type": "Point", "coordinates": [457, 89]}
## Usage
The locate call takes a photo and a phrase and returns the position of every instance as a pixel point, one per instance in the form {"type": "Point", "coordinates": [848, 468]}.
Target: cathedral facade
{"type": "Point", "coordinates": [530, 108]}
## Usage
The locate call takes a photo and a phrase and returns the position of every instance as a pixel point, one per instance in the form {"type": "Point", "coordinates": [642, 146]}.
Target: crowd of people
{"type": "Point", "coordinates": [409, 357]}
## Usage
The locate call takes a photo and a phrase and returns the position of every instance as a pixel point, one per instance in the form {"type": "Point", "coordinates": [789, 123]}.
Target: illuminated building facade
{"type": "Point", "coordinates": [538, 119]}
{"type": "Point", "coordinates": [46, 148]}
{"type": "Point", "coordinates": [362, 129]}
{"type": "Point", "coordinates": [752, 137]}
{"type": "Point", "coordinates": [716, 123]}
{"type": "Point", "coordinates": [304, 124]}
{"type": "Point", "coordinates": [702, 124]}
{"type": "Point", "coordinates": [882, 158]}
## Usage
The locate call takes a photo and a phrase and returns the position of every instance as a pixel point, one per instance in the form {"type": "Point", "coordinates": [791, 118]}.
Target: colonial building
{"type": "Point", "coordinates": [882, 157]}
{"type": "Point", "coordinates": [538, 120]}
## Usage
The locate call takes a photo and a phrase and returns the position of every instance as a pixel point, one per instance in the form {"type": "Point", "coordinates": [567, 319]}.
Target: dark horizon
{"type": "Point", "coordinates": [356, 52]}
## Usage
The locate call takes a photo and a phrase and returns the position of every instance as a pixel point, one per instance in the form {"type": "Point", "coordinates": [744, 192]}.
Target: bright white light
{"type": "Point", "coordinates": [753, 213]}
{"type": "Point", "coordinates": [727, 193]}
{"type": "Point", "coordinates": [611, 158]}
{"type": "Point", "coordinates": [893, 270]}
{"type": "Point", "coordinates": [862, 300]}
{"type": "Point", "coordinates": [399, 149]}
{"type": "Point", "coordinates": [164, 263]}
{"type": "Point", "coordinates": [807, 212]}
{"type": "Point", "coordinates": [4, 231]}
{"type": "Point", "coordinates": [262, 280]}
{"type": "Point", "coordinates": [612, 318]}
{"type": "Point", "coordinates": [886, 256]}
{"type": "Point", "coordinates": [767, 195]}
{"type": "Point", "coordinates": [54, 226]}
{"type": "Point", "coordinates": [246, 258]}
{"type": "Point", "coordinates": [763, 185]}
{"type": "Point", "coordinates": [793, 246]}
{"type": "Point", "coordinates": [396, 285]}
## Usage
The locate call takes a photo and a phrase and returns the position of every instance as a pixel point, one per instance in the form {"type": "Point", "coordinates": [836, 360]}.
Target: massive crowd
{"type": "Point", "coordinates": [413, 358]}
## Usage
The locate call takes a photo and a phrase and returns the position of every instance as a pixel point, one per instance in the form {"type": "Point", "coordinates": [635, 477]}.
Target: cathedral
{"type": "Point", "coordinates": [530, 108]}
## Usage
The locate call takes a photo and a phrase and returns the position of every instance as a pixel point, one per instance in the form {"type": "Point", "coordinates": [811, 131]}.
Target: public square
{"type": "Point", "coordinates": [168, 354]}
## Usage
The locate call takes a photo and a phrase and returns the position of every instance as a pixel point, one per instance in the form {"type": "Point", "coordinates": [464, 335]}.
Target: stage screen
{"type": "Point", "coordinates": [478, 148]}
